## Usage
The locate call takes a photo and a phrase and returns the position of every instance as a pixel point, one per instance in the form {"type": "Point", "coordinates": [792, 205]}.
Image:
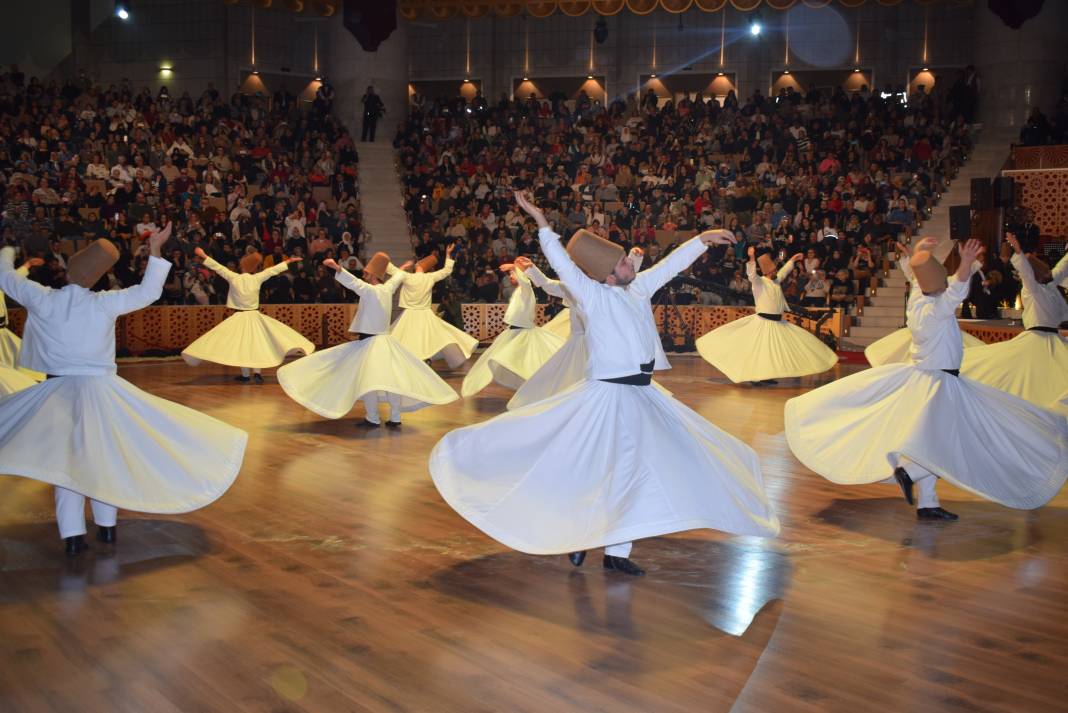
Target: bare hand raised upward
{"type": "Point", "coordinates": [157, 239]}
{"type": "Point", "coordinates": [530, 209]}
{"type": "Point", "coordinates": [199, 252]}
{"type": "Point", "coordinates": [1012, 240]}
{"type": "Point", "coordinates": [332, 264]}
{"type": "Point", "coordinates": [718, 236]}
{"type": "Point", "coordinates": [293, 259]}
{"type": "Point", "coordinates": [33, 262]}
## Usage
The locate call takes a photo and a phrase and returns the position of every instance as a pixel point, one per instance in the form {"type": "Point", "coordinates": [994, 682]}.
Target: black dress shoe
{"type": "Point", "coordinates": [75, 545]}
{"type": "Point", "coordinates": [106, 535]}
{"type": "Point", "coordinates": [364, 423]}
{"type": "Point", "coordinates": [902, 477]}
{"type": "Point", "coordinates": [242, 379]}
{"type": "Point", "coordinates": [577, 558]}
{"type": "Point", "coordinates": [769, 382]}
{"type": "Point", "coordinates": [622, 564]}
{"type": "Point", "coordinates": [395, 425]}
{"type": "Point", "coordinates": [935, 514]}
{"type": "Point", "coordinates": [258, 378]}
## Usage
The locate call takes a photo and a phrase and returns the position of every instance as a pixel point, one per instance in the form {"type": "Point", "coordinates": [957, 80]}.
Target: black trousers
{"type": "Point", "coordinates": [368, 133]}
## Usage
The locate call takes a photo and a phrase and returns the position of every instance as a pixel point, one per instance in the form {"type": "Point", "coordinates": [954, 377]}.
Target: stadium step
{"type": "Point", "coordinates": [381, 201]}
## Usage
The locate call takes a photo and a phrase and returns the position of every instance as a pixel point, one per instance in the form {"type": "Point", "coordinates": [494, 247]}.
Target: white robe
{"type": "Point", "coordinates": [10, 344]}
{"type": "Point", "coordinates": [91, 431]}
{"type": "Point", "coordinates": [754, 348]}
{"type": "Point", "coordinates": [331, 381]}
{"type": "Point", "coordinates": [518, 351]}
{"type": "Point", "coordinates": [418, 329]}
{"type": "Point", "coordinates": [895, 347]}
{"type": "Point", "coordinates": [603, 463]}
{"type": "Point", "coordinates": [859, 428]}
{"type": "Point", "coordinates": [1034, 364]}
{"type": "Point", "coordinates": [248, 338]}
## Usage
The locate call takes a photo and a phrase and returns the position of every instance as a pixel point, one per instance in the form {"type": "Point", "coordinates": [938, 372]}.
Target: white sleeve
{"type": "Point", "coordinates": [439, 275]}
{"type": "Point", "coordinates": [352, 282]}
{"type": "Point", "coordinates": [134, 298]}
{"type": "Point", "coordinates": [784, 271]}
{"type": "Point", "coordinates": [220, 269]}
{"type": "Point", "coordinates": [15, 283]}
{"type": "Point", "coordinates": [578, 283]}
{"type": "Point", "coordinates": [677, 260]}
{"type": "Point", "coordinates": [539, 278]}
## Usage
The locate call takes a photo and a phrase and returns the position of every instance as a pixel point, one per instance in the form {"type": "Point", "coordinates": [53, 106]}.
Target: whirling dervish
{"type": "Point", "coordinates": [422, 332]}
{"type": "Point", "coordinates": [1034, 364]}
{"type": "Point", "coordinates": [376, 368]}
{"type": "Point", "coordinates": [248, 338]}
{"type": "Point", "coordinates": [917, 422]}
{"type": "Point", "coordinates": [894, 347]}
{"type": "Point", "coordinates": [91, 433]}
{"type": "Point", "coordinates": [522, 348]}
{"type": "Point", "coordinates": [763, 347]}
{"type": "Point", "coordinates": [608, 460]}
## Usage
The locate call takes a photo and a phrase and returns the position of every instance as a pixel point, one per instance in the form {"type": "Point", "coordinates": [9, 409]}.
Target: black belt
{"type": "Point", "coordinates": [772, 317]}
{"type": "Point", "coordinates": [642, 379]}
{"type": "Point", "coordinates": [515, 326]}
{"type": "Point", "coordinates": [365, 335]}
{"type": "Point", "coordinates": [952, 372]}
{"type": "Point", "coordinates": [3, 322]}
{"type": "Point", "coordinates": [53, 376]}
{"type": "Point", "coordinates": [1051, 330]}
{"type": "Point", "coordinates": [256, 309]}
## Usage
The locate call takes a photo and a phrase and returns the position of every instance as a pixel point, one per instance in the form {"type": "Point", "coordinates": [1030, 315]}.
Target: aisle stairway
{"type": "Point", "coordinates": [381, 196]}
{"type": "Point", "coordinates": [885, 310]}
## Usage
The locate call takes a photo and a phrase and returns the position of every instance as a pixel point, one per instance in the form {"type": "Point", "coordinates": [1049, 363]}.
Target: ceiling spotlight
{"type": "Point", "coordinates": [652, 76]}
{"type": "Point", "coordinates": [756, 25]}
{"type": "Point", "coordinates": [926, 70]}
{"type": "Point", "coordinates": [122, 10]}
{"type": "Point", "coordinates": [856, 69]}
{"type": "Point", "coordinates": [719, 74]}
{"type": "Point", "coordinates": [526, 79]}
{"type": "Point", "coordinates": [256, 72]}
{"type": "Point", "coordinates": [786, 71]}
{"type": "Point", "coordinates": [589, 76]}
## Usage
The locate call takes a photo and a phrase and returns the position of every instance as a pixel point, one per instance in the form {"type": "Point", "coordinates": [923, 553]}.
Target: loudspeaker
{"type": "Point", "coordinates": [981, 193]}
{"type": "Point", "coordinates": [370, 21]}
{"type": "Point", "coordinates": [960, 222]}
{"type": "Point", "coordinates": [1004, 192]}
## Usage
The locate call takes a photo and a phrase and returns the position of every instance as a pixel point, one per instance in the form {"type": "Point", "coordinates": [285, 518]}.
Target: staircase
{"type": "Point", "coordinates": [884, 311]}
{"type": "Point", "coordinates": [381, 196]}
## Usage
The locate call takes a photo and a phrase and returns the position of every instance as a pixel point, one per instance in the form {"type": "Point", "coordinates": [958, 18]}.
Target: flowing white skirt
{"type": "Point", "coordinates": [560, 324]}
{"type": "Point", "coordinates": [249, 339]}
{"type": "Point", "coordinates": [894, 347]}
{"type": "Point", "coordinates": [563, 370]}
{"type": "Point", "coordinates": [12, 380]}
{"type": "Point", "coordinates": [424, 334]}
{"type": "Point", "coordinates": [331, 381]}
{"type": "Point", "coordinates": [103, 437]}
{"type": "Point", "coordinates": [1031, 365]}
{"type": "Point", "coordinates": [600, 464]}
{"type": "Point", "coordinates": [754, 349]}
{"type": "Point", "coordinates": [513, 358]}
{"type": "Point", "coordinates": [10, 345]}
{"type": "Point", "coordinates": [858, 429]}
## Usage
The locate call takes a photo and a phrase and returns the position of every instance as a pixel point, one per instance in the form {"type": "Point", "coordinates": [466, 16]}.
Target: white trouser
{"type": "Point", "coordinates": [371, 401]}
{"type": "Point", "coordinates": [925, 482]}
{"type": "Point", "coordinates": [245, 371]}
{"type": "Point", "coordinates": [70, 513]}
{"type": "Point", "coordinates": [452, 355]}
{"type": "Point", "coordinates": [620, 550]}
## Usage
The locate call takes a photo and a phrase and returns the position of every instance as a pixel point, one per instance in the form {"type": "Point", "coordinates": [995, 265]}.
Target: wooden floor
{"type": "Point", "coordinates": [332, 577]}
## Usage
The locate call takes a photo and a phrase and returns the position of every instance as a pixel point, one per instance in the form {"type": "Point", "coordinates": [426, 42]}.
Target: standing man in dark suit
{"type": "Point", "coordinates": [372, 109]}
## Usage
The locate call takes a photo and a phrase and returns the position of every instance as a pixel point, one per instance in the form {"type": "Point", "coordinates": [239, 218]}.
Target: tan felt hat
{"type": "Point", "coordinates": [377, 265]}
{"type": "Point", "coordinates": [596, 256]}
{"type": "Point", "coordinates": [929, 272]}
{"type": "Point", "coordinates": [427, 264]}
{"type": "Point", "coordinates": [88, 265]}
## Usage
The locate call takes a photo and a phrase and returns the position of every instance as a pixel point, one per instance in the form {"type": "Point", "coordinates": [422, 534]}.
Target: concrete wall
{"type": "Point", "coordinates": [891, 40]}
{"type": "Point", "coordinates": [352, 70]}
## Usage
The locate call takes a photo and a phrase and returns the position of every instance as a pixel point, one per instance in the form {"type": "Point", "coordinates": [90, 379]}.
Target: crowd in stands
{"type": "Point", "coordinates": [251, 179]}
{"type": "Point", "coordinates": [837, 177]}
{"type": "Point", "coordinates": [1040, 129]}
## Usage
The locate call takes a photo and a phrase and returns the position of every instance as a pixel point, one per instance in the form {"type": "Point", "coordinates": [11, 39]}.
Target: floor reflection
{"type": "Point", "coordinates": [984, 530]}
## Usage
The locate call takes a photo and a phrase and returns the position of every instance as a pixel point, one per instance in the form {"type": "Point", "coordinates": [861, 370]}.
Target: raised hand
{"type": "Point", "coordinates": [523, 263]}
{"type": "Point", "coordinates": [293, 259]}
{"type": "Point", "coordinates": [928, 244]}
{"type": "Point", "coordinates": [33, 262]}
{"type": "Point", "coordinates": [970, 250]}
{"type": "Point", "coordinates": [1012, 240]}
{"type": "Point", "coordinates": [332, 264]}
{"type": "Point", "coordinates": [406, 265]}
{"type": "Point", "coordinates": [157, 239]}
{"type": "Point", "coordinates": [506, 267]}
{"type": "Point", "coordinates": [798, 256]}
{"type": "Point", "coordinates": [637, 252]}
{"type": "Point", "coordinates": [751, 252]}
{"type": "Point", "coordinates": [448, 251]}
{"type": "Point", "coordinates": [530, 209]}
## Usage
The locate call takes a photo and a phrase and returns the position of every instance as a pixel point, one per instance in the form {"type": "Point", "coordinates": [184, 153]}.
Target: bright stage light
{"type": "Point", "coordinates": [122, 10]}
{"type": "Point", "coordinates": [755, 28]}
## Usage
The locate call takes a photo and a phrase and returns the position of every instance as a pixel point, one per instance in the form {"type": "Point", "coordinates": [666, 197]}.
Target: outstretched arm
{"type": "Point", "coordinates": [216, 267]}
{"type": "Point", "coordinates": [578, 282]}
{"type": "Point", "coordinates": [787, 268]}
{"type": "Point", "coordinates": [264, 275]}
{"type": "Point", "coordinates": [15, 283]}
{"type": "Point", "coordinates": [540, 279]}
{"type": "Point", "coordinates": [139, 296]}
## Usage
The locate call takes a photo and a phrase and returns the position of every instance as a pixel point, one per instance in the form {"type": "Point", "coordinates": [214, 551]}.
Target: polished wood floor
{"type": "Point", "coordinates": [332, 577]}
